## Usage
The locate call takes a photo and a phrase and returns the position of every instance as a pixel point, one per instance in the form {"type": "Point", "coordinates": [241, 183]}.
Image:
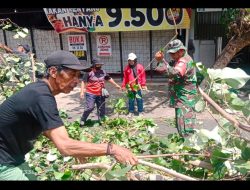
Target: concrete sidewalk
{"type": "Point", "coordinates": [155, 106]}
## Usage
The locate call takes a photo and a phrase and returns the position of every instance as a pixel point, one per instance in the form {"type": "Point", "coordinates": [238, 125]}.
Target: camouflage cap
{"type": "Point", "coordinates": [175, 46]}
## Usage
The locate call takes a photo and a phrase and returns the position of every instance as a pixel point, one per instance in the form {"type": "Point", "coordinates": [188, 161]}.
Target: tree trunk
{"type": "Point", "coordinates": [232, 48]}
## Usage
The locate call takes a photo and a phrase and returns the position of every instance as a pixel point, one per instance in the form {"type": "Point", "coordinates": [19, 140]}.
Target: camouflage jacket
{"type": "Point", "coordinates": [182, 82]}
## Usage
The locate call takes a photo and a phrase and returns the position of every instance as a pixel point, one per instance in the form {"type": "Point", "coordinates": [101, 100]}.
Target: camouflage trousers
{"type": "Point", "coordinates": [185, 118]}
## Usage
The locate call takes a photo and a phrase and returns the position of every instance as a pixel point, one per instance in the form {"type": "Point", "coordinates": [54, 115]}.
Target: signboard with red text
{"type": "Point", "coordinates": [78, 46]}
{"type": "Point", "coordinates": [103, 45]}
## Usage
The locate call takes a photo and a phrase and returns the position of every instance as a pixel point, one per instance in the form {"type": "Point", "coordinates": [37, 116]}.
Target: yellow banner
{"type": "Point", "coordinates": [116, 19]}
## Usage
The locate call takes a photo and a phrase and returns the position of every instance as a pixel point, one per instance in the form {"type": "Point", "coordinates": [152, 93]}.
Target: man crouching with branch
{"type": "Point", "coordinates": [33, 110]}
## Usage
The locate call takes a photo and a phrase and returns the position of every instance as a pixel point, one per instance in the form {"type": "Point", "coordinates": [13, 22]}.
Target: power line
{"type": "Point", "coordinates": [23, 12]}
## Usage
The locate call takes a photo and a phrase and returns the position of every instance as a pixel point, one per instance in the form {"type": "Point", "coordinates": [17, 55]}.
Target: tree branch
{"type": "Point", "coordinates": [168, 155]}
{"type": "Point", "coordinates": [90, 166]}
{"type": "Point", "coordinates": [166, 170]}
{"type": "Point", "coordinates": [223, 113]}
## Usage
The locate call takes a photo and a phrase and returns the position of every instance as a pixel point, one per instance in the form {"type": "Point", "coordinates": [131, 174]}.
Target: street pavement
{"type": "Point", "coordinates": [155, 106]}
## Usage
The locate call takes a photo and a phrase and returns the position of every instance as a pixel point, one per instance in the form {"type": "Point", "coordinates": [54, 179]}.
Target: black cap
{"type": "Point", "coordinates": [64, 58]}
{"type": "Point", "coordinates": [26, 47]}
{"type": "Point", "coordinates": [96, 61]}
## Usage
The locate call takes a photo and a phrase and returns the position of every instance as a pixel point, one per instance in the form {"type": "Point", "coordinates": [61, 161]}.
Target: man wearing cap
{"type": "Point", "coordinates": [91, 88]}
{"type": "Point", "coordinates": [134, 75]}
{"type": "Point", "coordinates": [182, 86]}
{"type": "Point", "coordinates": [33, 111]}
{"type": "Point", "coordinates": [24, 49]}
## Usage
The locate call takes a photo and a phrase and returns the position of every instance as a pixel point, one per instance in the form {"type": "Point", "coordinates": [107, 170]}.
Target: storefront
{"type": "Point", "coordinates": [110, 34]}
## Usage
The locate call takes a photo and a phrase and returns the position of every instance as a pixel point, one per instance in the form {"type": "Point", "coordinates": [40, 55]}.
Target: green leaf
{"type": "Point", "coordinates": [132, 143]}
{"type": "Point", "coordinates": [127, 86]}
{"type": "Point", "coordinates": [220, 171]}
{"type": "Point", "coordinates": [15, 59]}
{"type": "Point", "coordinates": [236, 78]}
{"type": "Point", "coordinates": [119, 172]}
{"type": "Point", "coordinates": [219, 91]}
{"type": "Point", "coordinates": [245, 154]}
{"type": "Point", "coordinates": [240, 143]}
{"type": "Point", "coordinates": [13, 70]}
{"type": "Point", "coordinates": [67, 174]}
{"type": "Point", "coordinates": [217, 160]}
{"type": "Point", "coordinates": [6, 26]}
{"type": "Point", "coordinates": [136, 87]}
{"type": "Point", "coordinates": [173, 147]}
{"type": "Point", "coordinates": [16, 36]}
{"type": "Point", "coordinates": [25, 30]}
{"type": "Point", "coordinates": [97, 124]}
{"type": "Point", "coordinates": [140, 140]}
{"type": "Point", "coordinates": [237, 103]}
{"type": "Point", "coordinates": [22, 34]}
{"type": "Point", "coordinates": [140, 167]}
{"type": "Point", "coordinates": [85, 176]}
{"type": "Point", "coordinates": [58, 175]}
{"type": "Point", "coordinates": [178, 166]}
{"type": "Point", "coordinates": [246, 109]}
{"type": "Point", "coordinates": [55, 167]}
{"type": "Point", "coordinates": [38, 169]}
{"type": "Point", "coordinates": [83, 138]}
{"type": "Point", "coordinates": [138, 96]}
{"type": "Point", "coordinates": [218, 157]}
{"type": "Point", "coordinates": [130, 95]}
{"type": "Point", "coordinates": [160, 161]}
{"type": "Point", "coordinates": [145, 147]}
{"type": "Point", "coordinates": [27, 64]}
{"type": "Point", "coordinates": [96, 139]}
{"type": "Point", "coordinates": [121, 103]}
{"type": "Point", "coordinates": [38, 145]}
{"type": "Point", "coordinates": [200, 106]}
{"type": "Point", "coordinates": [242, 166]}
{"type": "Point", "coordinates": [227, 128]}
{"type": "Point", "coordinates": [21, 85]}
{"type": "Point", "coordinates": [196, 172]}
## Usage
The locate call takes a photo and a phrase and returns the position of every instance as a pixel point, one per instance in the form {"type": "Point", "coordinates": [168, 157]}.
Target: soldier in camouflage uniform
{"type": "Point", "coordinates": [182, 86]}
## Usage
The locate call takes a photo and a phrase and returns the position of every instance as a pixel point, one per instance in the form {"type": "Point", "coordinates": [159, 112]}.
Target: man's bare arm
{"type": "Point", "coordinates": [71, 147]}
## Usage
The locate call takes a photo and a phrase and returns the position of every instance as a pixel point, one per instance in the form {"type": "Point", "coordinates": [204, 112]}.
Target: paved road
{"type": "Point", "coordinates": [155, 103]}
